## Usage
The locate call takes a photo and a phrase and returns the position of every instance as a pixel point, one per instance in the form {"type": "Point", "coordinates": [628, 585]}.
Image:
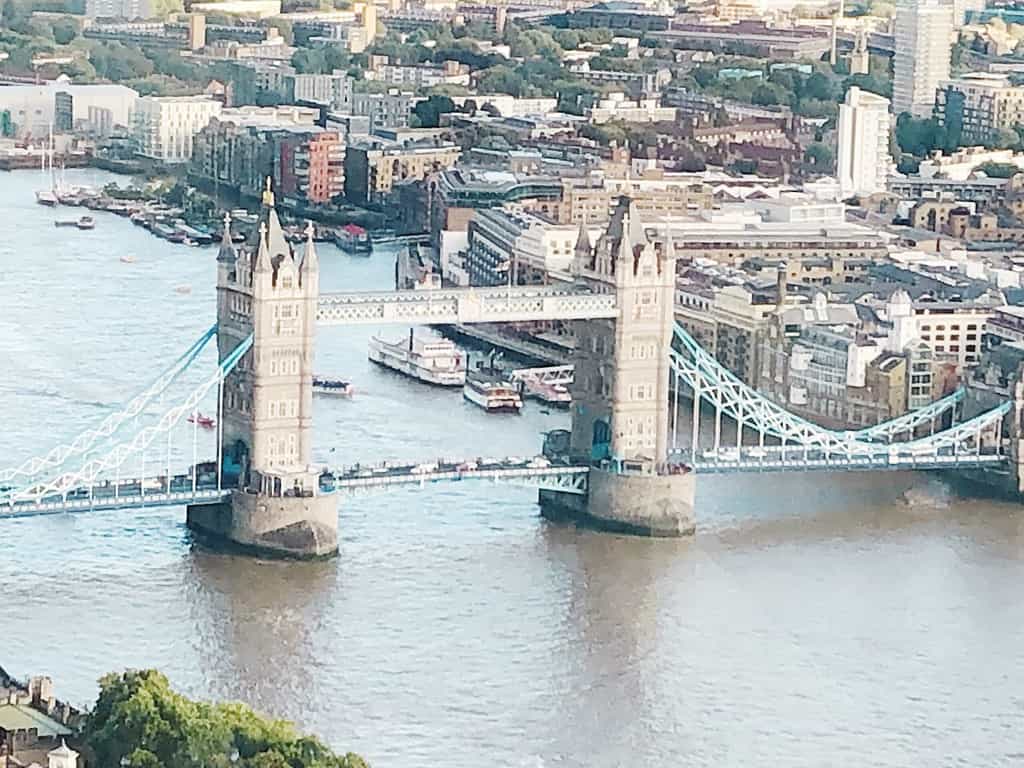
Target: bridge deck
{"type": "Point", "coordinates": [128, 494]}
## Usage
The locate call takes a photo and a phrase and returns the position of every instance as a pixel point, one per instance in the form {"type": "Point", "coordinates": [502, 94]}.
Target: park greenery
{"type": "Point", "coordinates": [139, 722]}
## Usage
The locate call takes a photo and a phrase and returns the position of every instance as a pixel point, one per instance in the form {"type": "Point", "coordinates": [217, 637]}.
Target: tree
{"type": "Point", "coordinates": [920, 136]}
{"type": "Point", "coordinates": [820, 156]}
{"type": "Point", "coordinates": [998, 170]}
{"type": "Point", "coordinates": [500, 79]}
{"type": "Point", "coordinates": [768, 95]}
{"type": "Point", "coordinates": [139, 722]}
{"type": "Point", "coordinates": [430, 110]}
{"type": "Point", "coordinates": [63, 30]}
{"type": "Point", "coordinates": [817, 86]}
{"type": "Point", "coordinates": [1004, 138]}
{"type": "Point", "coordinates": [117, 62]}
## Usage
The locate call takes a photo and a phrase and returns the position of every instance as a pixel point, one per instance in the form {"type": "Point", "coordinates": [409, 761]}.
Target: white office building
{"type": "Point", "coordinates": [165, 126]}
{"type": "Point", "coordinates": [924, 40]}
{"type": "Point", "coordinates": [863, 163]}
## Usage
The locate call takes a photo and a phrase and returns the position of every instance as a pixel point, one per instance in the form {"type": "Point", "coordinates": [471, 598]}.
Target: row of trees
{"type": "Point", "coordinates": [139, 722]}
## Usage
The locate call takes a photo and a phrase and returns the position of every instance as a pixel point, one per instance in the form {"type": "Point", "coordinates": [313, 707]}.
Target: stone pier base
{"type": "Point", "coordinates": [271, 526]}
{"type": "Point", "coordinates": [642, 505]}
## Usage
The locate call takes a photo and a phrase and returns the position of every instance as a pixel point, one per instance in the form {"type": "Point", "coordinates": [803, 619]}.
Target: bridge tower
{"type": "Point", "coordinates": [276, 505]}
{"type": "Point", "coordinates": [621, 386]}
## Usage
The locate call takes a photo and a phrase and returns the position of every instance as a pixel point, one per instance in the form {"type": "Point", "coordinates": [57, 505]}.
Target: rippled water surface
{"type": "Point", "coordinates": [814, 620]}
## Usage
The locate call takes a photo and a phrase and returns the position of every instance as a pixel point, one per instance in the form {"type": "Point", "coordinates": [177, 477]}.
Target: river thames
{"type": "Point", "coordinates": [814, 620]}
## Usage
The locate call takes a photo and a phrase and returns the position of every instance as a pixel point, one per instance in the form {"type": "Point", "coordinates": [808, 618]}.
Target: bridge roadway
{"type": "Point", "coordinates": [155, 492]}
{"type": "Point", "coordinates": [464, 305]}
{"type": "Point", "coordinates": [796, 459]}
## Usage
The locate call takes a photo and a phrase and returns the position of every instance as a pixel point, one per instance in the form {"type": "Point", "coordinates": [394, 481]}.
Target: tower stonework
{"type": "Point", "coordinates": [276, 505]}
{"type": "Point", "coordinates": [621, 387]}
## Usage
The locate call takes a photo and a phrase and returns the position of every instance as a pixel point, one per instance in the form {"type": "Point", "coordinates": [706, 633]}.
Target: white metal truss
{"type": "Point", "coordinates": [908, 422]}
{"type": "Point", "coordinates": [464, 305]}
{"type": "Point", "coordinates": [729, 396]}
{"type": "Point", "coordinates": [56, 458]}
{"type": "Point", "coordinates": [92, 471]}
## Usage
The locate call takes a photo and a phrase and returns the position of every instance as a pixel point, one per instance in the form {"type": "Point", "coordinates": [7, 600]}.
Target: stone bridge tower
{"type": "Point", "coordinates": [621, 389]}
{"type": "Point", "coordinates": [268, 291]}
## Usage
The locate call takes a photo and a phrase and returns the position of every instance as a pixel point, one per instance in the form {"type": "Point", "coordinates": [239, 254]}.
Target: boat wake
{"type": "Point", "coordinates": [930, 494]}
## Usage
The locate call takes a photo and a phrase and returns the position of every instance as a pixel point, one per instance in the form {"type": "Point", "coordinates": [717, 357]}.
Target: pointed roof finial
{"type": "Point", "coordinates": [227, 246]}
{"type": "Point", "coordinates": [310, 263]}
{"type": "Point", "coordinates": [268, 195]}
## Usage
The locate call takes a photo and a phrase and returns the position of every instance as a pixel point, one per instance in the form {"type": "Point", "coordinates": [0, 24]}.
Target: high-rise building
{"type": "Point", "coordinates": [863, 162]}
{"type": "Point", "coordinates": [924, 39]}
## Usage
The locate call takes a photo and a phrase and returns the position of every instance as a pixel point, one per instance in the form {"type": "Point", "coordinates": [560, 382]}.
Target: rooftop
{"type": "Point", "coordinates": [21, 717]}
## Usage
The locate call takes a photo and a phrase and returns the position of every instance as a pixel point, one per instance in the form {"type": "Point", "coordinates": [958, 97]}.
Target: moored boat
{"type": "Point", "coordinates": [47, 197]}
{"type": "Point", "coordinates": [492, 393]}
{"type": "Point", "coordinates": [433, 360]}
{"type": "Point", "coordinates": [353, 239]}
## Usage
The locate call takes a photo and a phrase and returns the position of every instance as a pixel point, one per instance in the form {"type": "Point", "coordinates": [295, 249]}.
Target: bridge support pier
{"type": "Point", "coordinates": [272, 526]}
{"type": "Point", "coordinates": [638, 504]}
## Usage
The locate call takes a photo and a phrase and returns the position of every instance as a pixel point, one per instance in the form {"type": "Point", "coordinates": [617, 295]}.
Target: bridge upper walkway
{"type": "Point", "coordinates": [464, 305]}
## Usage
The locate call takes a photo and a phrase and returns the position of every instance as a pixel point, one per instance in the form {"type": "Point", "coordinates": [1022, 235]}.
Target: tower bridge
{"type": "Point", "coordinates": [627, 467]}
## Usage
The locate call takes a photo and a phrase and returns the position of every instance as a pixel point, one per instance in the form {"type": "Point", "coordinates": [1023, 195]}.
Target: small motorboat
{"type": "Point", "coordinates": [86, 222]}
{"type": "Point", "coordinates": [206, 422]}
{"type": "Point", "coordinates": [183, 289]}
{"type": "Point", "coordinates": [335, 387]}
{"type": "Point", "coordinates": [127, 259]}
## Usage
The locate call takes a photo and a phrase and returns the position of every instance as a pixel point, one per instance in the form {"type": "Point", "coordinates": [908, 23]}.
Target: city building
{"type": "Point", "coordinates": [420, 75]}
{"type": "Point", "coordinates": [511, 245]}
{"type": "Point", "coordinates": [864, 162]}
{"type": "Point", "coordinates": [617, 107]}
{"type": "Point", "coordinates": [118, 9]}
{"type": "Point", "coordinates": [93, 108]}
{"type": "Point", "coordinates": [385, 110]}
{"type": "Point", "coordinates": [274, 82]}
{"type": "Point", "coordinates": [374, 166]}
{"type": "Point", "coordinates": [924, 39]}
{"type": "Point", "coordinates": [621, 15]}
{"type": "Point", "coordinates": [240, 147]}
{"type": "Point", "coordinates": [635, 84]}
{"type": "Point", "coordinates": [747, 38]}
{"type": "Point", "coordinates": [976, 107]}
{"type": "Point", "coordinates": [811, 239]}
{"type": "Point", "coordinates": [165, 126]}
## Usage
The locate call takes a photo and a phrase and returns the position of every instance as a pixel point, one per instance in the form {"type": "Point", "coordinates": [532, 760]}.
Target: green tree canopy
{"type": "Point", "coordinates": [500, 79]}
{"type": "Point", "coordinates": [430, 110]}
{"type": "Point", "coordinates": [821, 156]}
{"type": "Point", "coordinates": [139, 722]}
{"type": "Point", "coordinates": [998, 170]}
{"type": "Point", "coordinates": [920, 136]}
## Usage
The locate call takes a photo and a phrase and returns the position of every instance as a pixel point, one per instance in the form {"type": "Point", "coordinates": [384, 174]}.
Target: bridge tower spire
{"type": "Point", "coordinates": [276, 504]}
{"type": "Point", "coordinates": [621, 386]}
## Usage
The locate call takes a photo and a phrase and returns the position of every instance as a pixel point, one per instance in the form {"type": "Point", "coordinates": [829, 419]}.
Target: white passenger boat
{"type": "Point", "coordinates": [492, 393]}
{"type": "Point", "coordinates": [431, 359]}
